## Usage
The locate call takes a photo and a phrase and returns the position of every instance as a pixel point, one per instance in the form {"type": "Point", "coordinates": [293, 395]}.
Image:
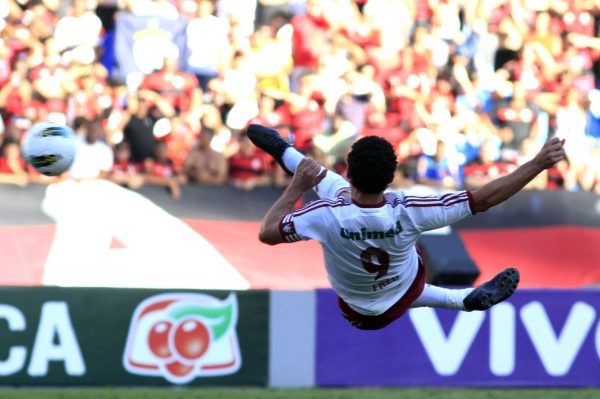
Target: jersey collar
{"type": "Point", "coordinates": [378, 205]}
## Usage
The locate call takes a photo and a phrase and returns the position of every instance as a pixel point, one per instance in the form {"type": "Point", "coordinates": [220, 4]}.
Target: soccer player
{"type": "Point", "coordinates": [368, 235]}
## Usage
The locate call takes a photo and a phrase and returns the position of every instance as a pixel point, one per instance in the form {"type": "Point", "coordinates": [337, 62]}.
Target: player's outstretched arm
{"type": "Point", "coordinates": [501, 189]}
{"type": "Point", "coordinates": [308, 174]}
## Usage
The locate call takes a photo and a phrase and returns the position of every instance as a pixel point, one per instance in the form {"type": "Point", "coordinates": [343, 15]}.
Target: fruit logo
{"type": "Point", "coordinates": [182, 336]}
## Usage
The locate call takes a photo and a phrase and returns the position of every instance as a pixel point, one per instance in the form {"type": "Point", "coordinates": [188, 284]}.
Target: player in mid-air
{"type": "Point", "coordinates": [368, 235]}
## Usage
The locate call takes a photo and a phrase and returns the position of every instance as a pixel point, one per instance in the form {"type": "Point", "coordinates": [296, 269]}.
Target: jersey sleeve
{"type": "Point", "coordinates": [309, 222]}
{"type": "Point", "coordinates": [433, 212]}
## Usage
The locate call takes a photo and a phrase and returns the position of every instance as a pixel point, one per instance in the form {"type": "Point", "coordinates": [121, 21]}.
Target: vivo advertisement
{"type": "Point", "coordinates": [538, 338]}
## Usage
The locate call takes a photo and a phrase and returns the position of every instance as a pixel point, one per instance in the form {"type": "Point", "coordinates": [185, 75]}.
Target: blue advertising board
{"type": "Point", "coordinates": [538, 338]}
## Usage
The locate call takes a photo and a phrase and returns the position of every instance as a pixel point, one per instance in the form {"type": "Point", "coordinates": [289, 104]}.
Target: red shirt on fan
{"type": "Point", "coordinates": [174, 86]}
{"type": "Point", "coordinates": [249, 162]}
{"type": "Point", "coordinates": [161, 165]}
{"type": "Point", "coordinates": [309, 39]}
{"type": "Point", "coordinates": [377, 124]}
{"type": "Point", "coordinates": [124, 168]}
{"type": "Point", "coordinates": [165, 169]}
{"type": "Point", "coordinates": [305, 123]}
{"type": "Point", "coordinates": [4, 166]}
{"type": "Point", "coordinates": [423, 11]}
{"type": "Point", "coordinates": [579, 21]}
{"type": "Point", "coordinates": [493, 169]}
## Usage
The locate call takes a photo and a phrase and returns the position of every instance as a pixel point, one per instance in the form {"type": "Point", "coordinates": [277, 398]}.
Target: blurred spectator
{"type": "Point", "coordinates": [180, 140]}
{"type": "Point", "coordinates": [270, 59]}
{"type": "Point", "coordinates": [517, 119]}
{"type": "Point", "coordinates": [154, 8]}
{"type": "Point", "coordinates": [138, 121]}
{"type": "Point", "coordinates": [172, 84]}
{"type": "Point", "coordinates": [269, 114]}
{"type": "Point", "coordinates": [592, 128]}
{"type": "Point", "coordinates": [556, 176]}
{"type": "Point", "coordinates": [235, 92]}
{"type": "Point", "coordinates": [106, 11]}
{"type": "Point", "coordinates": [393, 19]}
{"type": "Point", "coordinates": [570, 125]}
{"type": "Point", "coordinates": [309, 41]}
{"type": "Point", "coordinates": [137, 131]}
{"type": "Point", "coordinates": [306, 114]}
{"type": "Point", "coordinates": [487, 166]}
{"type": "Point", "coordinates": [222, 141]}
{"type": "Point", "coordinates": [205, 165]}
{"type": "Point", "coordinates": [124, 171]}
{"type": "Point", "coordinates": [377, 124]}
{"type": "Point", "coordinates": [78, 33]}
{"type": "Point", "coordinates": [16, 94]}
{"type": "Point", "coordinates": [40, 18]}
{"type": "Point", "coordinates": [543, 34]}
{"type": "Point", "coordinates": [591, 178]}
{"type": "Point", "coordinates": [93, 98]}
{"type": "Point", "coordinates": [50, 79]}
{"type": "Point", "coordinates": [352, 106]}
{"type": "Point", "coordinates": [268, 10]}
{"type": "Point", "coordinates": [435, 169]}
{"type": "Point", "coordinates": [207, 43]}
{"type": "Point", "coordinates": [12, 164]}
{"type": "Point", "coordinates": [93, 157]}
{"type": "Point", "coordinates": [248, 166]}
{"type": "Point", "coordinates": [160, 170]}
{"type": "Point", "coordinates": [403, 85]}
{"type": "Point", "coordinates": [333, 145]}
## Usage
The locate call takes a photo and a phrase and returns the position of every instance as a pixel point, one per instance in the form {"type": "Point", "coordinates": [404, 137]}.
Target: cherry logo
{"type": "Point", "coordinates": [191, 339]}
{"type": "Point", "coordinates": [179, 346]}
{"type": "Point", "coordinates": [158, 339]}
{"type": "Point", "coordinates": [180, 336]}
{"type": "Point", "coordinates": [179, 369]}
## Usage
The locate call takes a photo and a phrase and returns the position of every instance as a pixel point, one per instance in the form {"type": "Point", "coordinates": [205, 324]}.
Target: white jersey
{"type": "Point", "coordinates": [370, 252]}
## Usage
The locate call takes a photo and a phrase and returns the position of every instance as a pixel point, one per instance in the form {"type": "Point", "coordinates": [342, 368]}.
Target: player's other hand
{"type": "Point", "coordinates": [308, 174]}
{"type": "Point", "coordinates": [552, 152]}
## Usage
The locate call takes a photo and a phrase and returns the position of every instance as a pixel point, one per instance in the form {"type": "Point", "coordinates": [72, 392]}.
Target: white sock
{"type": "Point", "coordinates": [438, 297]}
{"type": "Point", "coordinates": [291, 158]}
{"type": "Point", "coordinates": [329, 187]}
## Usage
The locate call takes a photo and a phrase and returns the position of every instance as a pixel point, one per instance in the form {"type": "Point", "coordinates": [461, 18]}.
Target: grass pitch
{"type": "Point", "coordinates": [257, 393]}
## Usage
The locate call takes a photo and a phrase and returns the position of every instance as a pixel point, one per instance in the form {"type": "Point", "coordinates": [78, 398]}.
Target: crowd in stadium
{"type": "Point", "coordinates": [465, 90]}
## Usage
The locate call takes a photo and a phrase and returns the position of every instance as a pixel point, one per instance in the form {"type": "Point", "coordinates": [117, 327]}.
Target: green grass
{"type": "Point", "coordinates": [255, 393]}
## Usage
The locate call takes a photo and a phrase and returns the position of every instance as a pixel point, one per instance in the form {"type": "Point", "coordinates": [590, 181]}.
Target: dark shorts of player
{"type": "Point", "coordinates": [364, 322]}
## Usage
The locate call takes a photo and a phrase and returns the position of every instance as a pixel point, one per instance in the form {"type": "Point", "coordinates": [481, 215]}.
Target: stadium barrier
{"type": "Point", "coordinates": [541, 338]}
{"type": "Point", "coordinates": [99, 336]}
{"type": "Point", "coordinates": [141, 337]}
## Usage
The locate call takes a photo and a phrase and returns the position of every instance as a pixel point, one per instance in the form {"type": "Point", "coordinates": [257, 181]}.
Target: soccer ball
{"type": "Point", "coordinates": [50, 148]}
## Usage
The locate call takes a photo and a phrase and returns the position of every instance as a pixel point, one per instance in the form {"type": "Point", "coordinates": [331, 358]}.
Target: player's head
{"type": "Point", "coordinates": [371, 164]}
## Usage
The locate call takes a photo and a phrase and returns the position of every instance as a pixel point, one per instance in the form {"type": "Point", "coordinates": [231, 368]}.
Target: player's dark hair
{"type": "Point", "coordinates": [371, 164]}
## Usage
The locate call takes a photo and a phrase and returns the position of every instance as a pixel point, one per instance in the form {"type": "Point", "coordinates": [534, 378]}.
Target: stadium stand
{"type": "Point", "coordinates": [464, 92]}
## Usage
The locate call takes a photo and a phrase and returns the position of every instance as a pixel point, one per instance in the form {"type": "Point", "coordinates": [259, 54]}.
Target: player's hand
{"type": "Point", "coordinates": [552, 152]}
{"type": "Point", "coordinates": [308, 174]}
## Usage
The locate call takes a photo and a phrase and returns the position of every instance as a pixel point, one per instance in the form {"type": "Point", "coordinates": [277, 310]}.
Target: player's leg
{"type": "Point", "coordinates": [289, 158]}
{"type": "Point", "coordinates": [439, 297]}
{"type": "Point", "coordinates": [483, 297]}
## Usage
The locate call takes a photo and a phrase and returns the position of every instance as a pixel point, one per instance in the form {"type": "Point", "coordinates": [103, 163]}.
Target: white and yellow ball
{"type": "Point", "coordinates": [50, 148]}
